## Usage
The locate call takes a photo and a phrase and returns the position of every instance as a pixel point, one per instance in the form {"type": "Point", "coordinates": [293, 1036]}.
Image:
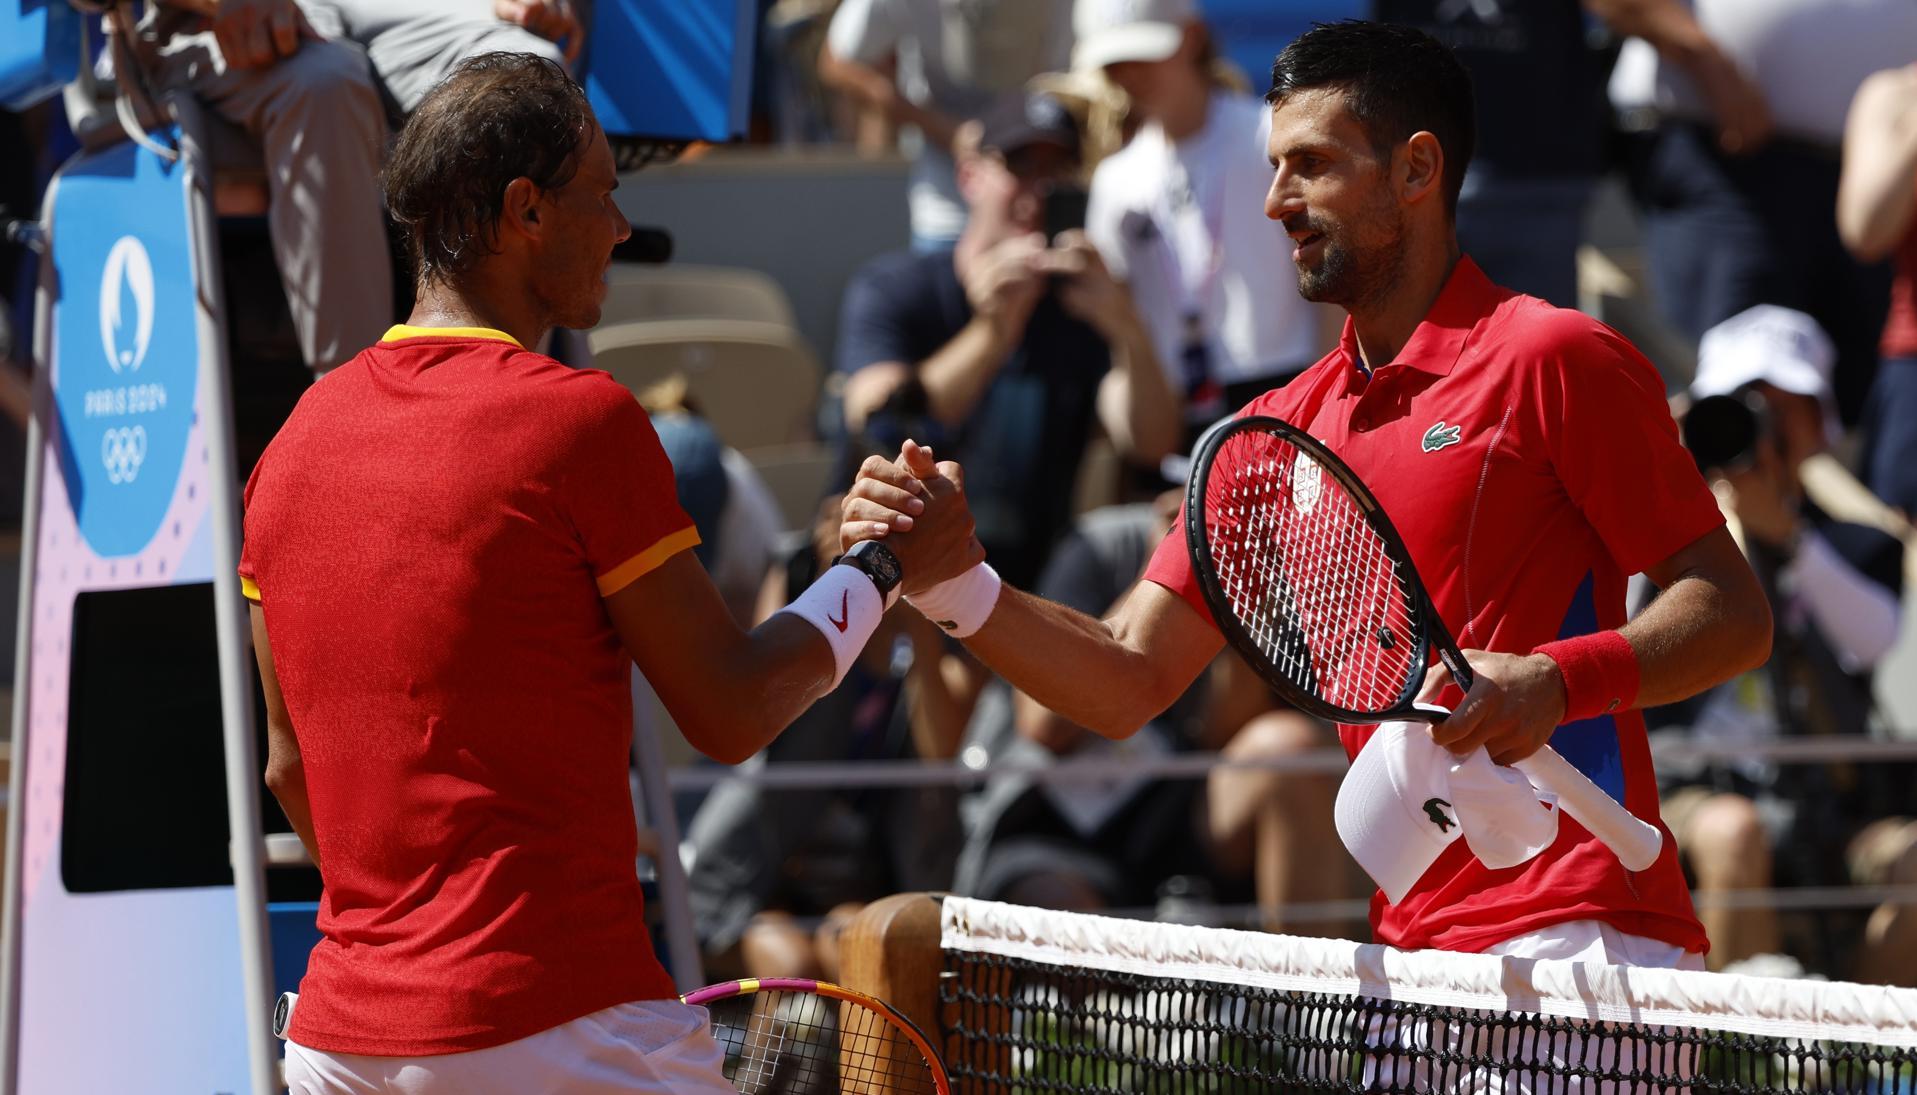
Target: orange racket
{"type": "Point", "coordinates": [796, 1035]}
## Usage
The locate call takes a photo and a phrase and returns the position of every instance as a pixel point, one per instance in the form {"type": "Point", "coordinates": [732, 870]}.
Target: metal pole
{"type": "Point", "coordinates": [231, 616]}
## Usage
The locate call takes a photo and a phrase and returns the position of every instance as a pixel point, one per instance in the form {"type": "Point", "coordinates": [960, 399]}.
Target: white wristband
{"type": "Point", "coordinates": [845, 606]}
{"type": "Point", "coordinates": [961, 605]}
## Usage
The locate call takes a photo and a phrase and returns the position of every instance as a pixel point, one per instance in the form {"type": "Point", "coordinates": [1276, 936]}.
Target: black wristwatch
{"type": "Point", "coordinates": [878, 563]}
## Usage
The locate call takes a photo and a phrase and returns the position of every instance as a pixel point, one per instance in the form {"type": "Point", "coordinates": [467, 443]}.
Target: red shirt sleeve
{"type": "Point", "coordinates": [620, 494]}
{"type": "Point", "coordinates": [1170, 567]}
{"type": "Point", "coordinates": [1616, 450]}
{"type": "Point", "coordinates": [249, 566]}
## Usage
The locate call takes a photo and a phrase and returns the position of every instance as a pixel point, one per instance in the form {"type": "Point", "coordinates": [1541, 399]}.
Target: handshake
{"type": "Point", "coordinates": [917, 508]}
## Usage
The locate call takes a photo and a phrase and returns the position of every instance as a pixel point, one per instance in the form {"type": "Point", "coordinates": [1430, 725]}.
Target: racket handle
{"type": "Point", "coordinates": [1635, 841]}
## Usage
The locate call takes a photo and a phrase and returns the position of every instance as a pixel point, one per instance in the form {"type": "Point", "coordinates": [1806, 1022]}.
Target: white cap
{"type": "Point", "coordinates": [1779, 346]}
{"type": "Point", "coordinates": [1110, 31]}
{"type": "Point", "coordinates": [1406, 799]}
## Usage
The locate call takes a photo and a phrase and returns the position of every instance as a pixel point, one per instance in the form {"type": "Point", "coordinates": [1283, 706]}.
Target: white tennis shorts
{"type": "Point", "coordinates": [1512, 1060]}
{"type": "Point", "coordinates": [643, 1047]}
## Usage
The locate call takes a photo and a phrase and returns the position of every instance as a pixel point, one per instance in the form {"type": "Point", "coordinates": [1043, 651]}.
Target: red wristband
{"type": "Point", "coordinates": [1600, 673]}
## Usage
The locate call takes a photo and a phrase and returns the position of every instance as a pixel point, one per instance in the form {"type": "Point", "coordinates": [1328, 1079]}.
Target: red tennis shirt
{"type": "Point", "coordinates": [1528, 458]}
{"type": "Point", "coordinates": [430, 537]}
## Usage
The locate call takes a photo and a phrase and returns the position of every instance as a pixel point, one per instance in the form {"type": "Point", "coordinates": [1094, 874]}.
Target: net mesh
{"type": "Point", "coordinates": [1035, 1001]}
{"type": "Point", "coordinates": [1307, 576]}
{"type": "Point", "coordinates": [780, 1042]}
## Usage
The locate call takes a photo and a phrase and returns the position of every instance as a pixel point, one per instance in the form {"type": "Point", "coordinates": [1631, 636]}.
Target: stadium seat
{"type": "Point", "coordinates": [755, 382]}
{"type": "Point", "coordinates": [635, 292]}
{"type": "Point", "coordinates": [798, 476]}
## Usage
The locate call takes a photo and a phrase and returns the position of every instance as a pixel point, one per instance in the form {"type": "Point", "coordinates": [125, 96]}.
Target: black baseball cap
{"type": "Point", "coordinates": [1028, 119]}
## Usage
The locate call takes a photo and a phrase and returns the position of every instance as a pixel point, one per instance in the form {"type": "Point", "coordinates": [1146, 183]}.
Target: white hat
{"type": "Point", "coordinates": [1110, 31]}
{"type": "Point", "coordinates": [1406, 799]}
{"type": "Point", "coordinates": [1779, 346]}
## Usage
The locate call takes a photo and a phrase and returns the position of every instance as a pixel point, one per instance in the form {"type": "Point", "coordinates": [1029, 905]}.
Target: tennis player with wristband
{"type": "Point", "coordinates": [1525, 455]}
{"type": "Point", "coordinates": [457, 548]}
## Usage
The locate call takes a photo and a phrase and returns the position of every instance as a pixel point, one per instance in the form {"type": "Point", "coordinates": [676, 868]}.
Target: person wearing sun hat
{"type": "Point", "coordinates": [1178, 212]}
{"type": "Point", "coordinates": [1762, 407]}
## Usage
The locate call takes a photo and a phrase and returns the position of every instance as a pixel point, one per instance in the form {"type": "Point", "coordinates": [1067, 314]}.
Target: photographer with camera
{"type": "Point", "coordinates": [1003, 350]}
{"type": "Point", "coordinates": [1762, 405]}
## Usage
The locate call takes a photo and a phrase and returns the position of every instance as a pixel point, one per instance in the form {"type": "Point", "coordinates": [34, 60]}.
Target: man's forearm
{"type": "Point", "coordinates": [1668, 25]}
{"type": "Point", "coordinates": [1875, 198]}
{"type": "Point", "coordinates": [955, 378]}
{"type": "Point", "coordinates": [876, 89]}
{"type": "Point", "coordinates": [1694, 636]}
{"type": "Point", "coordinates": [1136, 403]}
{"type": "Point", "coordinates": [290, 793]}
{"type": "Point", "coordinates": [1104, 675]}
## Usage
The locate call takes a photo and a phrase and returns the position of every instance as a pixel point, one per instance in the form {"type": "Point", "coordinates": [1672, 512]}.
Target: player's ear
{"type": "Point", "coordinates": [519, 213]}
{"type": "Point", "coordinates": [1420, 168]}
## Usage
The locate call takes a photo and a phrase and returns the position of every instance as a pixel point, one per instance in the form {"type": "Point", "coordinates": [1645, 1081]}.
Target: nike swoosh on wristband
{"type": "Point", "coordinates": [844, 613]}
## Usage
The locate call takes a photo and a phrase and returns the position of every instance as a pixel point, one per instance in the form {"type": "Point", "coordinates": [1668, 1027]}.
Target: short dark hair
{"type": "Point", "coordinates": [498, 116]}
{"type": "Point", "coordinates": [1398, 80]}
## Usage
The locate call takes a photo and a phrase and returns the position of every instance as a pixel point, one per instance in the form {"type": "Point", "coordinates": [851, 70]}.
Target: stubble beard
{"type": "Point", "coordinates": [1347, 275]}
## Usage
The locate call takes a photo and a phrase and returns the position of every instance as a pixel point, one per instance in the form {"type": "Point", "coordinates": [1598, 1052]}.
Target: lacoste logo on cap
{"type": "Point", "coordinates": [1440, 435]}
{"type": "Point", "coordinates": [1438, 817]}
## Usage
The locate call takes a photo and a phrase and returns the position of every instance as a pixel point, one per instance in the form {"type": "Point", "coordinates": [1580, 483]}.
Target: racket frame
{"type": "Point", "coordinates": [1636, 842]}
{"type": "Point", "coordinates": [747, 986]}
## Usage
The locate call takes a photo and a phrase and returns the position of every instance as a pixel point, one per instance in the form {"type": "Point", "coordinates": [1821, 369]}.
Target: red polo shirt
{"type": "Point", "coordinates": [430, 537]}
{"type": "Point", "coordinates": [1528, 458]}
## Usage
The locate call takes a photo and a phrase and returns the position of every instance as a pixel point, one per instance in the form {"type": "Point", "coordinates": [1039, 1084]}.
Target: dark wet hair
{"type": "Point", "coordinates": [1398, 80]}
{"type": "Point", "coordinates": [497, 117]}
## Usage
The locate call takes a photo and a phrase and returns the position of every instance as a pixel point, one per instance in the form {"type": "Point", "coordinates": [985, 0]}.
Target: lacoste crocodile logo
{"type": "Point", "coordinates": [1440, 435]}
{"type": "Point", "coordinates": [1437, 816]}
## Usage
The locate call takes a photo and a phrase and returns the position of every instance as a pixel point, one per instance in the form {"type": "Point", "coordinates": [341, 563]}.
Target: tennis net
{"type": "Point", "coordinates": [1038, 1001]}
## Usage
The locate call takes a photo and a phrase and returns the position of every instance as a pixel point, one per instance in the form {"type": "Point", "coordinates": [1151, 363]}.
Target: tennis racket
{"type": "Point", "coordinates": [1310, 583]}
{"type": "Point", "coordinates": [796, 1036]}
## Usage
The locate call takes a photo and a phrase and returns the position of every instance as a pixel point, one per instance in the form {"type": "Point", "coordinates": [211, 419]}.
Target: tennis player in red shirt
{"type": "Point", "coordinates": [1525, 453]}
{"type": "Point", "coordinates": [457, 549]}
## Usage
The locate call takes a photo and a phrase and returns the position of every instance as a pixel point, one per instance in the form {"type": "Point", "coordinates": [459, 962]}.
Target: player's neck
{"type": "Point", "coordinates": [472, 303]}
{"type": "Point", "coordinates": [1385, 323]}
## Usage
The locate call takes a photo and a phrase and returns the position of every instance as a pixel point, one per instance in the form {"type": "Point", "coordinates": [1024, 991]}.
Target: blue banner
{"type": "Point", "coordinates": [39, 50]}
{"type": "Point", "coordinates": [126, 348]}
{"type": "Point", "coordinates": [678, 71]}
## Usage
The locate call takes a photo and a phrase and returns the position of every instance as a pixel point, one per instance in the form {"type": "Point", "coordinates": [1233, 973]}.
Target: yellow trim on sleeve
{"type": "Point", "coordinates": [249, 590]}
{"type": "Point", "coordinates": [623, 575]}
{"type": "Point", "coordinates": [400, 332]}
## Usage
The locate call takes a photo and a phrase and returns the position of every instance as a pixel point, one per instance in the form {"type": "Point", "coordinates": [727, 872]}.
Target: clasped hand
{"type": "Point", "coordinates": [917, 506]}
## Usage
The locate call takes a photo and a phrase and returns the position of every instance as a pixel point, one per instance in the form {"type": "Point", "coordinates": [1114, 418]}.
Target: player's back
{"type": "Point", "coordinates": [420, 536]}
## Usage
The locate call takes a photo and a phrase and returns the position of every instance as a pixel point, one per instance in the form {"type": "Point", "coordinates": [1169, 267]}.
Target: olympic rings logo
{"type": "Point", "coordinates": [122, 451]}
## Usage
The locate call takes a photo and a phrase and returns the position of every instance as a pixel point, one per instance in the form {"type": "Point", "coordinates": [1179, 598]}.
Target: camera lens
{"type": "Point", "coordinates": [1722, 431]}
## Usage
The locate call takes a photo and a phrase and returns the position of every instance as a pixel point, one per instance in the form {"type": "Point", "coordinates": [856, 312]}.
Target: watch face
{"type": "Point", "coordinates": [879, 562]}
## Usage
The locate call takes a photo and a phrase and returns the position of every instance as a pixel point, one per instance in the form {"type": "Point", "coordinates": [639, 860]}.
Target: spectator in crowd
{"type": "Point", "coordinates": [1540, 135]}
{"type": "Point", "coordinates": [932, 65]}
{"type": "Point", "coordinates": [1133, 840]}
{"type": "Point", "coordinates": [766, 862]}
{"type": "Point", "coordinates": [311, 103]}
{"type": "Point", "coordinates": [1007, 347]}
{"type": "Point", "coordinates": [414, 44]}
{"type": "Point", "coordinates": [1877, 215]}
{"type": "Point", "coordinates": [1736, 192]}
{"type": "Point", "coordinates": [1178, 213]}
{"type": "Point", "coordinates": [1762, 406]}
{"type": "Point", "coordinates": [731, 506]}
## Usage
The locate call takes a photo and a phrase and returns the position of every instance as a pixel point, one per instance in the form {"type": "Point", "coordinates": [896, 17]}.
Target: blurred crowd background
{"type": "Point", "coordinates": [1030, 233]}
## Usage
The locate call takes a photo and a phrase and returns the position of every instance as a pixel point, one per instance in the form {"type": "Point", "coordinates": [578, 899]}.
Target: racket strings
{"type": "Point", "coordinates": [778, 1042]}
{"type": "Point", "coordinates": [1306, 574]}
